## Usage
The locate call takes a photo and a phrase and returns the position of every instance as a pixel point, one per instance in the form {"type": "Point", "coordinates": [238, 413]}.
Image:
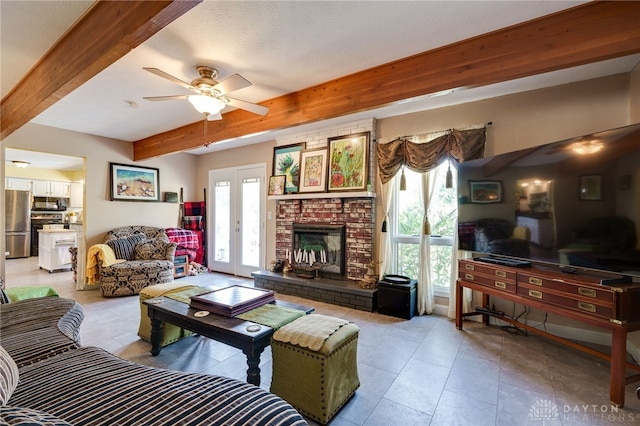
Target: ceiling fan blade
{"type": "Point", "coordinates": [254, 108]}
{"type": "Point", "coordinates": [231, 83]}
{"type": "Point", "coordinates": [165, 98]}
{"type": "Point", "coordinates": [169, 77]}
{"type": "Point", "coordinates": [214, 117]}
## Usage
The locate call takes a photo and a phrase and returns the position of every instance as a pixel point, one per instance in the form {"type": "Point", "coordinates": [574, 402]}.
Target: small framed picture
{"type": "Point", "coordinates": [313, 170]}
{"type": "Point", "coordinates": [485, 191]}
{"type": "Point", "coordinates": [590, 188]}
{"type": "Point", "coordinates": [286, 161]}
{"type": "Point", "coordinates": [348, 162]}
{"type": "Point", "coordinates": [276, 184]}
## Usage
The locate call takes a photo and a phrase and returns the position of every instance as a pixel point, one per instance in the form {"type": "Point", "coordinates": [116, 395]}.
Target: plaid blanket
{"type": "Point", "coordinates": [194, 208]}
{"type": "Point", "coordinates": [183, 238]}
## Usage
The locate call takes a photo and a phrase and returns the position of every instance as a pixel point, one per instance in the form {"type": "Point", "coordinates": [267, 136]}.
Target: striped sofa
{"type": "Point", "coordinates": [61, 382]}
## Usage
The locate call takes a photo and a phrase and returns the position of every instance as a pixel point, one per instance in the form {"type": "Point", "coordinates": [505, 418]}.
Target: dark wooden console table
{"type": "Point", "coordinates": [579, 296]}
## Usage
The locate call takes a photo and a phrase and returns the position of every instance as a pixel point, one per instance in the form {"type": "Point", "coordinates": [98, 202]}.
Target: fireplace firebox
{"type": "Point", "coordinates": [322, 243]}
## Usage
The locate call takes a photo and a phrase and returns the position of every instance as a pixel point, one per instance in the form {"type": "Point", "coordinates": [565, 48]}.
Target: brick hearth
{"type": "Point", "coordinates": [336, 292]}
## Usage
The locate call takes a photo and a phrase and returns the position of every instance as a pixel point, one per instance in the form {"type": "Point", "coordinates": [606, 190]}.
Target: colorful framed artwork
{"type": "Point", "coordinates": [485, 191]}
{"type": "Point", "coordinates": [591, 188]}
{"type": "Point", "coordinates": [286, 161]}
{"type": "Point", "coordinates": [348, 162]}
{"type": "Point", "coordinates": [134, 183]}
{"type": "Point", "coordinates": [277, 184]}
{"type": "Point", "coordinates": [313, 170]}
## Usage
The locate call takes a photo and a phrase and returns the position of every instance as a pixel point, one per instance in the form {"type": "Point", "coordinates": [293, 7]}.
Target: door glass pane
{"type": "Point", "coordinates": [251, 222]}
{"type": "Point", "coordinates": [222, 225]}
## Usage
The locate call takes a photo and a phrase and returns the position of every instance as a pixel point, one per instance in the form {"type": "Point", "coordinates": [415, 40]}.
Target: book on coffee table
{"type": "Point", "coordinates": [232, 301]}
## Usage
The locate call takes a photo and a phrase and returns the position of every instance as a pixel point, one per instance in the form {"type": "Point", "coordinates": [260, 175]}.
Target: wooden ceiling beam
{"type": "Point", "coordinates": [105, 33]}
{"type": "Point", "coordinates": [592, 32]}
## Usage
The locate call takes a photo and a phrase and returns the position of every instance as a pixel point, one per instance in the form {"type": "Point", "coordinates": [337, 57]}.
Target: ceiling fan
{"type": "Point", "coordinates": [210, 96]}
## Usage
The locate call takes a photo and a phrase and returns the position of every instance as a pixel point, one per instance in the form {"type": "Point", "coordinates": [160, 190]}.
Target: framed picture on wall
{"type": "Point", "coordinates": [313, 170]}
{"type": "Point", "coordinates": [348, 162]}
{"type": "Point", "coordinates": [134, 183]}
{"type": "Point", "coordinates": [485, 191]}
{"type": "Point", "coordinates": [591, 187]}
{"type": "Point", "coordinates": [286, 161]}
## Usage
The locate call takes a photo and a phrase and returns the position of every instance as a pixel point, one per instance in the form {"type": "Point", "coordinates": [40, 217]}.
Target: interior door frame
{"type": "Point", "coordinates": [233, 173]}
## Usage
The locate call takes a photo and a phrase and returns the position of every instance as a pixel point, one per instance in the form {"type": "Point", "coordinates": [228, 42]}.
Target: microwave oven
{"type": "Point", "coordinates": [49, 204]}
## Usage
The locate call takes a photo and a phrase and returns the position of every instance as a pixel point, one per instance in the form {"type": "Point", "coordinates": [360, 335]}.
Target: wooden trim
{"type": "Point", "coordinates": [592, 32]}
{"type": "Point", "coordinates": [104, 34]}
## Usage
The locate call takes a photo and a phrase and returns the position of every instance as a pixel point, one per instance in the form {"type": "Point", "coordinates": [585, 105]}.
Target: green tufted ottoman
{"type": "Point", "coordinates": [315, 373]}
{"type": "Point", "coordinates": [170, 332]}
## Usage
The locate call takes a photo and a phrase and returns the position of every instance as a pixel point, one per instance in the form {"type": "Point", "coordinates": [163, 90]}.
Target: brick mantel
{"type": "Point", "coordinates": [357, 214]}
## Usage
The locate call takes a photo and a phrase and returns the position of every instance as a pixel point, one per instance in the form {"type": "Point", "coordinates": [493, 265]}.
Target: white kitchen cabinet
{"type": "Point", "coordinates": [77, 195]}
{"type": "Point", "coordinates": [53, 248]}
{"type": "Point", "coordinates": [19, 184]}
{"type": "Point", "coordinates": [48, 188]}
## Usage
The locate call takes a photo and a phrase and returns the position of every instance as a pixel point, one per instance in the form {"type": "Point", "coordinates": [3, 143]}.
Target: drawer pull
{"type": "Point", "coordinates": [535, 293]}
{"type": "Point", "coordinates": [589, 307]}
{"type": "Point", "coordinates": [535, 281]}
{"type": "Point", "coordinates": [469, 277]}
{"type": "Point", "coordinates": [587, 292]}
{"type": "Point", "coordinates": [500, 273]}
{"type": "Point", "coordinates": [500, 284]}
{"type": "Point", "coordinates": [469, 267]}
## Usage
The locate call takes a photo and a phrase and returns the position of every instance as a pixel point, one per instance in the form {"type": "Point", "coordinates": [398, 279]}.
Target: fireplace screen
{"type": "Point", "coordinates": [321, 247]}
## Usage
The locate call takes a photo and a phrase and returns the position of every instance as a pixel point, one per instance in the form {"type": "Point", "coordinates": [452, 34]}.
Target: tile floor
{"type": "Point", "coordinates": [417, 372]}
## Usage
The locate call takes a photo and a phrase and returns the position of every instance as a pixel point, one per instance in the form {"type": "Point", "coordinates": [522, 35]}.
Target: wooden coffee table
{"type": "Point", "coordinates": [241, 334]}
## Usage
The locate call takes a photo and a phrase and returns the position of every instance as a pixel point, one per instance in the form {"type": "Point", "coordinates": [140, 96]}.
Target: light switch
{"type": "Point", "coordinates": [269, 215]}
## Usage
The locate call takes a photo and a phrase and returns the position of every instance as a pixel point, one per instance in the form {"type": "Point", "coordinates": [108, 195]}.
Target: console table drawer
{"type": "Point", "coordinates": [584, 291]}
{"type": "Point", "coordinates": [594, 307]}
{"type": "Point", "coordinates": [489, 270]}
{"type": "Point", "coordinates": [489, 281]}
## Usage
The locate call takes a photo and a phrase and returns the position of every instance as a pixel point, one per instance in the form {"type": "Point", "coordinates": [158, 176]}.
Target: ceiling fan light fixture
{"type": "Point", "coordinates": [206, 104]}
{"type": "Point", "coordinates": [21, 164]}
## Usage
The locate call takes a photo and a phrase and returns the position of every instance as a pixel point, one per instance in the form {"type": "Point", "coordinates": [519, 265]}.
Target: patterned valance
{"type": "Point", "coordinates": [462, 145]}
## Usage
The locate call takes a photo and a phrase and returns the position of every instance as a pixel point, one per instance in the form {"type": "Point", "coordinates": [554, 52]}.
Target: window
{"type": "Point", "coordinates": [406, 226]}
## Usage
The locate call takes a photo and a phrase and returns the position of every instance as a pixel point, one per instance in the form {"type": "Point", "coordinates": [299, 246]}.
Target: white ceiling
{"type": "Point", "coordinates": [280, 47]}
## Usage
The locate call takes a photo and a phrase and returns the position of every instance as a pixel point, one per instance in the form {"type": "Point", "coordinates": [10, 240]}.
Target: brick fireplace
{"type": "Point", "coordinates": [357, 215]}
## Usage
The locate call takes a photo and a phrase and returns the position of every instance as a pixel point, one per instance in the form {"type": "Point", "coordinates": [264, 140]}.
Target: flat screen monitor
{"type": "Point", "coordinates": [574, 203]}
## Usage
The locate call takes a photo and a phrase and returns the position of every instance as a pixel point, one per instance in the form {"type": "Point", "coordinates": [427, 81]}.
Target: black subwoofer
{"type": "Point", "coordinates": [397, 296]}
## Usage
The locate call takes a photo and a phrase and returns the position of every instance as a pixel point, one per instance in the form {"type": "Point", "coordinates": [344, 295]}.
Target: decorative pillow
{"type": "Point", "coordinates": [8, 376]}
{"type": "Point", "coordinates": [153, 250]}
{"type": "Point", "coordinates": [124, 248]}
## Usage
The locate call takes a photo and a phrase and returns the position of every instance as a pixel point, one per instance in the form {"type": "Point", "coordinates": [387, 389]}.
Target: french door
{"type": "Point", "coordinates": [237, 196]}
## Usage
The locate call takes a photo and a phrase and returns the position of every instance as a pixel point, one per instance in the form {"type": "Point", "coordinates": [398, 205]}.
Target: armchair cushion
{"type": "Point", "coordinates": [155, 250]}
{"type": "Point", "coordinates": [124, 248]}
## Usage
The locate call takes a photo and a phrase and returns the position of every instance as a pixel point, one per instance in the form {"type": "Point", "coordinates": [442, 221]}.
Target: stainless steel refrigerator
{"type": "Point", "coordinates": [17, 223]}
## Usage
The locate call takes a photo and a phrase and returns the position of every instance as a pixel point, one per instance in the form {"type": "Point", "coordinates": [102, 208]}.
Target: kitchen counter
{"type": "Point", "coordinates": [56, 231]}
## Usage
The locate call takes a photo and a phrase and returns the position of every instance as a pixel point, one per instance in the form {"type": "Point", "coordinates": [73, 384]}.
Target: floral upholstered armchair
{"type": "Point", "coordinates": [144, 257]}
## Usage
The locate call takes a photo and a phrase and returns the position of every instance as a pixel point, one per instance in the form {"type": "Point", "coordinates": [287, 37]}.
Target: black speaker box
{"type": "Point", "coordinates": [397, 297]}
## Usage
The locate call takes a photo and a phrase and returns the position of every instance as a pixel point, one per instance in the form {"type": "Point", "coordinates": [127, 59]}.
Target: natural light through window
{"type": "Point", "coordinates": [407, 220]}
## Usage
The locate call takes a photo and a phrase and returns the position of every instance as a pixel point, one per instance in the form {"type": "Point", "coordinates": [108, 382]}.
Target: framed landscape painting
{"type": "Point", "coordinates": [134, 183]}
{"type": "Point", "coordinates": [286, 161]}
{"type": "Point", "coordinates": [348, 155]}
{"type": "Point", "coordinates": [313, 171]}
{"type": "Point", "coordinates": [485, 191]}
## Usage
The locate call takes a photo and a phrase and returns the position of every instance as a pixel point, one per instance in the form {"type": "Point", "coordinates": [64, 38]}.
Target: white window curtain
{"type": "Point", "coordinates": [425, 302]}
{"type": "Point", "coordinates": [384, 245]}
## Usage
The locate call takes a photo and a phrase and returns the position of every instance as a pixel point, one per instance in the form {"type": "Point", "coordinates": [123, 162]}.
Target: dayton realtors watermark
{"type": "Point", "coordinates": [548, 412]}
